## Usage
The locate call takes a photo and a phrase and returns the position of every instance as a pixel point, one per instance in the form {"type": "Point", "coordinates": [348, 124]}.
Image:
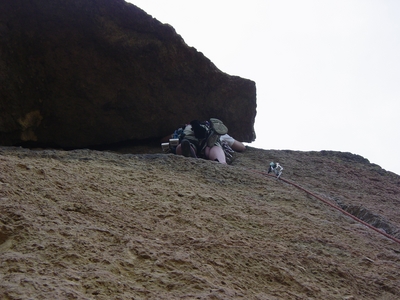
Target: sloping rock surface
{"type": "Point", "coordinates": [83, 73]}
{"type": "Point", "coordinates": [103, 225]}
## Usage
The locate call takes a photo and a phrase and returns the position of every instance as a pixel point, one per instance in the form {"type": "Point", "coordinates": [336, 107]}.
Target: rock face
{"type": "Point", "coordinates": [87, 224]}
{"type": "Point", "coordinates": [83, 73]}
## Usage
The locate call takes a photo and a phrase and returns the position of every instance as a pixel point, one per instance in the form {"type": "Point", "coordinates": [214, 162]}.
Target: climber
{"type": "Point", "coordinates": [202, 139]}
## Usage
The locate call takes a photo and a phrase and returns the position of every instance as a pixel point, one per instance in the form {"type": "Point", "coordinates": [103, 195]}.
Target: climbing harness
{"type": "Point", "coordinates": [328, 203]}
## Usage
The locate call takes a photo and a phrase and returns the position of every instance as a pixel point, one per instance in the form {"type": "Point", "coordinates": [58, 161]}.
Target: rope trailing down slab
{"type": "Point", "coordinates": [331, 205]}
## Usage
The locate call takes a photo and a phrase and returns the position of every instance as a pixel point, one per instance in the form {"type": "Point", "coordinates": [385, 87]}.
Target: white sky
{"type": "Point", "coordinates": [327, 71]}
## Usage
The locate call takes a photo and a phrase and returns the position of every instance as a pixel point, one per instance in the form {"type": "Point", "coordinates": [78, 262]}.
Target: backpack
{"type": "Point", "coordinates": [207, 133]}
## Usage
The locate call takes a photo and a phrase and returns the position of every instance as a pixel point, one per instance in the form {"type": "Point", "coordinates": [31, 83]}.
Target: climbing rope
{"type": "Point", "coordinates": [331, 205]}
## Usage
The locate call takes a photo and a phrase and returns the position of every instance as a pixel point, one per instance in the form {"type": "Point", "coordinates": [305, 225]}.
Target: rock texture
{"type": "Point", "coordinates": [99, 225]}
{"type": "Point", "coordinates": [82, 73]}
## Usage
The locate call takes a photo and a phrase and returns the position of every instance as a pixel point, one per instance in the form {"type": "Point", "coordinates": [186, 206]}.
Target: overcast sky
{"type": "Point", "coordinates": [327, 72]}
